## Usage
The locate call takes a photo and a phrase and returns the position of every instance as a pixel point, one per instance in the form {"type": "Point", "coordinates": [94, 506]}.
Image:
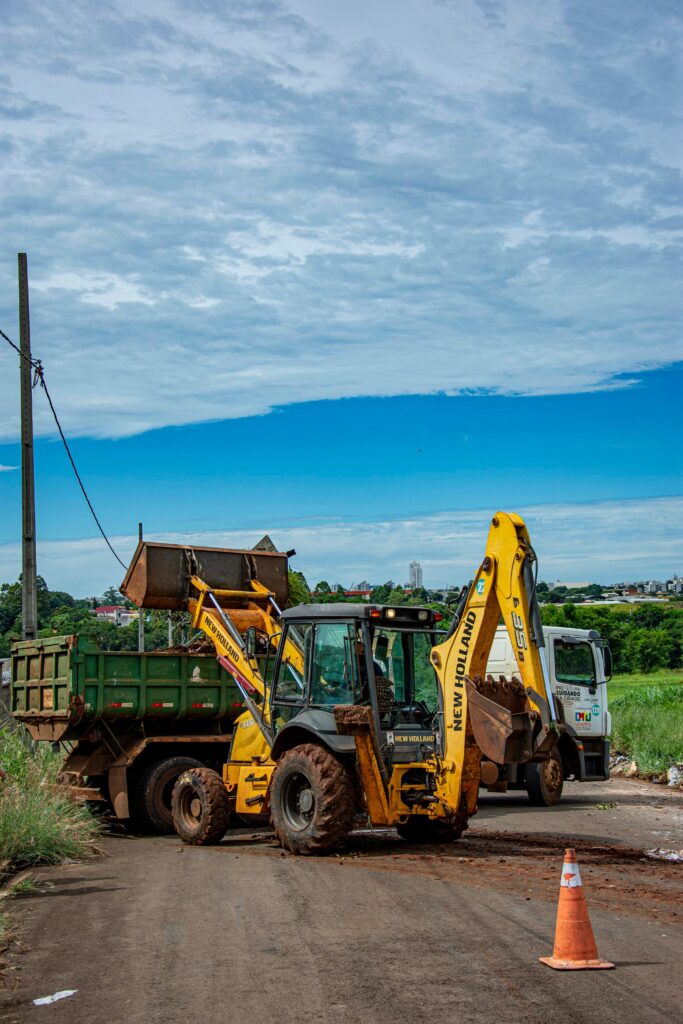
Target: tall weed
{"type": "Point", "coordinates": [647, 724]}
{"type": "Point", "coordinates": [39, 824]}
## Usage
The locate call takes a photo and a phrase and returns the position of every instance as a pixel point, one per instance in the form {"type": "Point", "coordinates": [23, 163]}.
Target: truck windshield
{"type": "Point", "coordinates": [574, 663]}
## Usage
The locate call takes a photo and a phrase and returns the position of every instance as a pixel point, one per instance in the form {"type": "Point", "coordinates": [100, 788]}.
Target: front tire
{"type": "Point", "coordinates": [201, 807]}
{"type": "Point", "coordinates": [544, 780]}
{"type": "Point", "coordinates": [312, 803]}
{"type": "Point", "coordinates": [420, 829]}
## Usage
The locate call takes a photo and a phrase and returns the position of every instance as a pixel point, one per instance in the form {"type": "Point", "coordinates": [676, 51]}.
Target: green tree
{"type": "Point", "coordinates": [379, 595]}
{"type": "Point", "coordinates": [298, 589]}
{"type": "Point", "coordinates": [650, 649]}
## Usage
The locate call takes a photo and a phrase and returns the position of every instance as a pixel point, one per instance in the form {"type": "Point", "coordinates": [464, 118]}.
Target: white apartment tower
{"type": "Point", "coordinates": [415, 575]}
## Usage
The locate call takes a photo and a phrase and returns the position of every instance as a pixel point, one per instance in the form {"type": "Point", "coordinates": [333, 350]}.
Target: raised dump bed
{"type": "Point", "coordinates": [62, 686]}
{"type": "Point", "coordinates": [159, 574]}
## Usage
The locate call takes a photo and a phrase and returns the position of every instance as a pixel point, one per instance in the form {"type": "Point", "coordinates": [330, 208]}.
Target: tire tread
{"type": "Point", "coordinates": [210, 788]}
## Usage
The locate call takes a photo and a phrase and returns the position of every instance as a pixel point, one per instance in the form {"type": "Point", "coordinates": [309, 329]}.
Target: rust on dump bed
{"type": "Point", "coordinates": [159, 574]}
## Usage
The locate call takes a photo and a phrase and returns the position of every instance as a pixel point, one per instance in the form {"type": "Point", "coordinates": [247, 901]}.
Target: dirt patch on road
{"type": "Point", "coordinates": [620, 879]}
{"type": "Point", "coordinates": [616, 878]}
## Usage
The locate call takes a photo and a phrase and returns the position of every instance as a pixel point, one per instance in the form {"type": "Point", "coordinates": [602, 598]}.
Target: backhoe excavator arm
{"type": "Point", "coordinates": [504, 721]}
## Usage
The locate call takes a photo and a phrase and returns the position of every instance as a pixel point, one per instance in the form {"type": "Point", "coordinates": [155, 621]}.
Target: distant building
{"type": "Point", "coordinates": [415, 575]}
{"type": "Point", "coordinates": [363, 585]}
{"type": "Point", "coordinates": [362, 594]}
{"type": "Point", "coordinates": [116, 614]}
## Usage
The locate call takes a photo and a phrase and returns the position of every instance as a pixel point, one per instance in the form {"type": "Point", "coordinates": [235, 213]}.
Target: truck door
{"type": "Point", "coordinates": [578, 684]}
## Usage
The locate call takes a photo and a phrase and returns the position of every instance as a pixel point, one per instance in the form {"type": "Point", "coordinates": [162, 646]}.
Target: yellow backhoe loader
{"type": "Point", "coordinates": [364, 712]}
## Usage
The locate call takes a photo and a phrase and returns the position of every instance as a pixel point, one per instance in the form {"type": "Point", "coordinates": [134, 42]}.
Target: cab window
{"type": "Point", "coordinates": [290, 681]}
{"type": "Point", "coordinates": [574, 663]}
{"type": "Point", "coordinates": [425, 673]}
{"type": "Point", "coordinates": [388, 655]}
{"type": "Point", "coordinates": [334, 664]}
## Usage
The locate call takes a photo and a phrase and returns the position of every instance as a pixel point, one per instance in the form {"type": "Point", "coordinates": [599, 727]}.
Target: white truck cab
{"type": "Point", "coordinates": [580, 663]}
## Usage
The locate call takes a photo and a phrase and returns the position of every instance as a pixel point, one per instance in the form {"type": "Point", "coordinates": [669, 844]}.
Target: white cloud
{"type": "Point", "coordinates": [605, 542]}
{"type": "Point", "coordinates": [107, 290]}
{"type": "Point", "coordinates": [7, 469]}
{"type": "Point", "coordinates": [336, 201]}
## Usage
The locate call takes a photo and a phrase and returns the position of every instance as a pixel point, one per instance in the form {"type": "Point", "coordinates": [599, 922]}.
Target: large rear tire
{"type": "Point", "coordinates": [201, 807]}
{"type": "Point", "coordinates": [154, 789]}
{"type": "Point", "coordinates": [544, 780]}
{"type": "Point", "coordinates": [312, 804]}
{"type": "Point", "coordinates": [420, 829]}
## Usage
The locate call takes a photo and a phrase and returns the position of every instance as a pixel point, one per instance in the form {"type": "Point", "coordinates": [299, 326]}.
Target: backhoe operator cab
{"type": "Point", "coordinates": [366, 655]}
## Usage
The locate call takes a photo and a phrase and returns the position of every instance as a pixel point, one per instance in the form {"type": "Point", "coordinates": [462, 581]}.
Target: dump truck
{"type": "Point", "coordinates": [579, 665]}
{"type": "Point", "coordinates": [365, 712]}
{"type": "Point", "coordinates": [131, 723]}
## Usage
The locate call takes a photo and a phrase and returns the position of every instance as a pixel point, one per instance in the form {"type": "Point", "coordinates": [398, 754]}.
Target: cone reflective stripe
{"type": "Point", "coordinates": [575, 948]}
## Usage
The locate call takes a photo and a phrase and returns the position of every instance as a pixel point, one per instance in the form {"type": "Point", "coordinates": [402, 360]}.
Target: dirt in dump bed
{"type": "Point", "coordinates": [198, 647]}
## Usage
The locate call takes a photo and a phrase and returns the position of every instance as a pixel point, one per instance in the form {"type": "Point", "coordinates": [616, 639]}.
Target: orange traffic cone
{"type": "Point", "coordinates": [575, 948]}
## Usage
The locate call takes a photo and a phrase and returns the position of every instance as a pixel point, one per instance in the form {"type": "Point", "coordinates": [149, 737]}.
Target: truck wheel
{"type": "Point", "coordinates": [544, 780]}
{"type": "Point", "coordinates": [420, 829]}
{"type": "Point", "coordinates": [201, 807]}
{"type": "Point", "coordinates": [312, 804]}
{"type": "Point", "coordinates": [152, 797]}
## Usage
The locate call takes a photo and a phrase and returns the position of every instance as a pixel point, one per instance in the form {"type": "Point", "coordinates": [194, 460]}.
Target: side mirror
{"type": "Point", "coordinates": [607, 658]}
{"type": "Point", "coordinates": [250, 642]}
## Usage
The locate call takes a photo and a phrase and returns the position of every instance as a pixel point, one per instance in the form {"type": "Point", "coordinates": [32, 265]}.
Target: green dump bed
{"type": "Point", "coordinates": [61, 686]}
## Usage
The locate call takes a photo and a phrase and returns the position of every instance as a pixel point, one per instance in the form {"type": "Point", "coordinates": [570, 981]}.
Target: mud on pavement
{"type": "Point", "coordinates": [616, 878]}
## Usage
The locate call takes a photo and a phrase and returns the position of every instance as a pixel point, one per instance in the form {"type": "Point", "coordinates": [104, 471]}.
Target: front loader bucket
{"type": "Point", "coordinates": [501, 719]}
{"type": "Point", "coordinates": [159, 574]}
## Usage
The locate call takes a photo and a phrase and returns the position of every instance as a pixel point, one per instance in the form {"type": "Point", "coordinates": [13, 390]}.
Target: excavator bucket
{"type": "Point", "coordinates": [501, 719]}
{"type": "Point", "coordinates": [159, 574]}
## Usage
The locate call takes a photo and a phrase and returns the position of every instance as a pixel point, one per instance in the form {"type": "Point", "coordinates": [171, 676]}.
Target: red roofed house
{"type": "Point", "coordinates": [116, 614]}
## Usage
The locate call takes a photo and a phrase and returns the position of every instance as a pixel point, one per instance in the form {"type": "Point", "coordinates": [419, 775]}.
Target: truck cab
{"type": "Point", "coordinates": [580, 664]}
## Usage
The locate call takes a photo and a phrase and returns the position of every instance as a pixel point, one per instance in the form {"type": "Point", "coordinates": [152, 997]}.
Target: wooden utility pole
{"type": "Point", "coordinates": [141, 615]}
{"type": "Point", "coordinates": [29, 606]}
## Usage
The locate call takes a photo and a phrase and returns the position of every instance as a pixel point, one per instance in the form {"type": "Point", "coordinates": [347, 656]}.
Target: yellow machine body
{"type": "Point", "coordinates": [521, 723]}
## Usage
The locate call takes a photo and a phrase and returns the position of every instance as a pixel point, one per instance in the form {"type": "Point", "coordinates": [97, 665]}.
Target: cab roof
{"type": "Point", "coordinates": [403, 615]}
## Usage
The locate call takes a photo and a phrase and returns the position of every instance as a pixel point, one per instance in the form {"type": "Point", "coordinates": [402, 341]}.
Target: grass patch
{"type": "Point", "coordinates": [24, 887]}
{"type": "Point", "coordinates": [621, 684]}
{"type": "Point", "coordinates": [647, 724]}
{"type": "Point", "coordinates": [39, 824]}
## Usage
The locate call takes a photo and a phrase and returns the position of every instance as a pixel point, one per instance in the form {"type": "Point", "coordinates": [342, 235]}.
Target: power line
{"type": "Point", "coordinates": [39, 376]}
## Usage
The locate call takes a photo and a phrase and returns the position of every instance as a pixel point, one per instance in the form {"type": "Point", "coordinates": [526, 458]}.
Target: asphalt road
{"type": "Point", "coordinates": [156, 932]}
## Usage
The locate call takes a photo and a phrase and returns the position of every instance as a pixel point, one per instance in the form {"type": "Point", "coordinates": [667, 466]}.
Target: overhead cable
{"type": "Point", "coordinates": [39, 377]}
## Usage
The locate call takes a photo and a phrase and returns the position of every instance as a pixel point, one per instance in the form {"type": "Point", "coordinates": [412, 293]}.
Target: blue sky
{"type": "Point", "coordinates": [357, 275]}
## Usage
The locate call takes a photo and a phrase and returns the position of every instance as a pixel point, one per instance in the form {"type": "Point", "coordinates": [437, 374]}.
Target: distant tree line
{"type": "Point", "coordinates": [643, 637]}
{"type": "Point", "coordinates": [60, 614]}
